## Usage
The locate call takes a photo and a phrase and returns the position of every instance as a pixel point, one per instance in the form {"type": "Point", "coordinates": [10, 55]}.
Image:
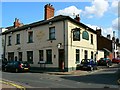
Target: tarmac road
{"type": "Point", "coordinates": [105, 78]}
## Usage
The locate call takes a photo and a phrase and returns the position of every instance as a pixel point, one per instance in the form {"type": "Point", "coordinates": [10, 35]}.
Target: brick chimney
{"type": "Point", "coordinates": [17, 23]}
{"type": "Point", "coordinates": [49, 11]}
{"type": "Point", "coordinates": [77, 18]}
{"type": "Point", "coordinates": [98, 31]}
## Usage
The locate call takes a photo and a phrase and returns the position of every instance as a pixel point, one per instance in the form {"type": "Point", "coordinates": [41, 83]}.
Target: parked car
{"type": "Point", "coordinates": [4, 63]}
{"type": "Point", "coordinates": [88, 64]}
{"type": "Point", "coordinates": [17, 66]}
{"type": "Point", "coordinates": [116, 60]}
{"type": "Point", "coordinates": [104, 62]}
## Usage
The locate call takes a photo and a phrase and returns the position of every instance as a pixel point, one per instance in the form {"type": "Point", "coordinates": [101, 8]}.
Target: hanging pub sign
{"type": "Point", "coordinates": [76, 34]}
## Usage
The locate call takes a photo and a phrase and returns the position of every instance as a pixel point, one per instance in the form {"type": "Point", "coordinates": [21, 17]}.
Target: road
{"type": "Point", "coordinates": [99, 79]}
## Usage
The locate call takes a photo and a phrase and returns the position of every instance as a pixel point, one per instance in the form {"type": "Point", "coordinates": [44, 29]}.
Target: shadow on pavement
{"type": "Point", "coordinates": [109, 78]}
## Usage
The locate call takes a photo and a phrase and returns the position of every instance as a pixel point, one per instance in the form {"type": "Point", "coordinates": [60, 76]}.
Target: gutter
{"type": "Point", "coordinates": [64, 41]}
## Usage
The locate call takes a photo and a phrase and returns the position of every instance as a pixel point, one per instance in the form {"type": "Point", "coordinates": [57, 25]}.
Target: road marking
{"type": "Point", "coordinates": [12, 84]}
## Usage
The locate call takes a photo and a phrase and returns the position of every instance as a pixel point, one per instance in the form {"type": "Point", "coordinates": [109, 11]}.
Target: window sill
{"type": "Point", "coordinates": [51, 39]}
{"type": "Point", "coordinates": [30, 42]}
{"type": "Point", "coordinates": [9, 45]}
{"type": "Point", "coordinates": [17, 44]}
{"type": "Point", "coordinates": [30, 62]}
{"type": "Point", "coordinates": [77, 62]}
{"type": "Point", "coordinates": [48, 63]}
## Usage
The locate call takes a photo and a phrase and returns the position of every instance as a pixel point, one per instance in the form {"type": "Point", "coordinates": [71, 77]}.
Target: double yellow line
{"type": "Point", "coordinates": [12, 84]}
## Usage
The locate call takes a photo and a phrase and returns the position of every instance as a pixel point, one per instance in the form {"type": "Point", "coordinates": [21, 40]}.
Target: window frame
{"type": "Point", "coordinates": [85, 54]}
{"type": "Point", "coordinates": [30, 37]}
{"type": "Point", "coordinates": [17, 38]}
{"type": "Point", "coordinates": [49, 56]}
{"type": "Point", "coordinates": [30, 54]}
{"type": "Point", "coordinates": [9, 40]}
{"type": "Point", "coordinates": [41, 55]}
{"type": "Point", "coordinates": [77, 55]}
{"type": "Point", "coordinates": [92, 55]}
{"type": "Point", "coordinates": [91, 38]}
{"type": "Point", "coordinates": [52, 33]}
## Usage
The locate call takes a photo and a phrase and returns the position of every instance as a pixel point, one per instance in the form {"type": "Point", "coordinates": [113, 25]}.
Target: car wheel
{"type": "Point", "coordinates": [5, 69]}
{"type": "Point", "coordinates": [91, 68]}
{"type": "Point", "coordinates": [107, 65]}
{"type": "Point", "coordinates": [16, 70]}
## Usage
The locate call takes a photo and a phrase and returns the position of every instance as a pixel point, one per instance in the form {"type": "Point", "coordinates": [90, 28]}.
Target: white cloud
{"type": "Point", "coordinates": [69, 11]}
{"type": "Point", "coordinates": [116, 24]}
{"type": "Point", "coordinates": [114, 6]}
{"type": "Point", "coordinates": [94, 27]}
{"type": "Point", "coordinates": [98, 8]}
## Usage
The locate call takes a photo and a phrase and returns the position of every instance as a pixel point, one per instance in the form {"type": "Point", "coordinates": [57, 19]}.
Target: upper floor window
{"type": "Point", "coordinates": [85, 35]}
{"type": "Point", "coordinates": [9, 40]}
{"type": "Point", "coordinates": [76, 34]}
{"type": "Point", "coordinates": [30, 37]}
{"type": "Point", "coordinates": [18, 39]}
{"type": "Point", "coordinates": [91, 39]}
{"type": "Point", "coordinates": [52, 33]}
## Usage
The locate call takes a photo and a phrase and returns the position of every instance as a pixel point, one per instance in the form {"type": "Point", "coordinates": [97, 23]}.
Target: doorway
{"type": "Point", "coordinates": [61, 59]}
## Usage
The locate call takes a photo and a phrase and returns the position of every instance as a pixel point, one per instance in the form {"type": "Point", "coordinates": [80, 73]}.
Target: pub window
{"type": "Point", "coordinates": [91, 55]}
{"type": "Point", "coordinates": [30, 37]}
{"type": "Point", "coordinates": [52, 33]}
{"type": "Point", "coordinates": [86, 54]}
{"type": "Point", "coordinates": [30, 56]}
{"type": "Point", "coordinates": [40, 55]}
{"type": "Point", "coordinates": [18, 39]}
{"type": "Point", "coordinates": [77, 55]}
{"type": "Point", "coordinates": [49, 56]}
{"type": "Point", "coordinates": [91, 39]}
{"type": "Point", "coordinates": [85, 35]}
{"type": "Point", "coordinates": [9, 40]}
{"type": "Point", "coordinates": [20, 56]}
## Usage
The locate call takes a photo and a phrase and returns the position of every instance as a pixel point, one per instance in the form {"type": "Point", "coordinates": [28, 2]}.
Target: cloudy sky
{"type": "Point", "coordinates": [96, 13]}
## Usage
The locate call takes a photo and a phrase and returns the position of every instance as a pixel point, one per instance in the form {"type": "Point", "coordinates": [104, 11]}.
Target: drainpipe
{"type": "Point", "coordinates": [4, 48]}
{"type": "Point", "coordinates": [64, 41]}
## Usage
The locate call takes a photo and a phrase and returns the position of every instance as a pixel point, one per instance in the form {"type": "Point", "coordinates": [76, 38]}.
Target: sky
{"type": "Point", "coordinates": [94, 13]}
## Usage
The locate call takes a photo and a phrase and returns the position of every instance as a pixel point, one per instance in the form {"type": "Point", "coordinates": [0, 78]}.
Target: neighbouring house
{"type": "Point", "coordinates": [1, 42]}
{"type": "Point", "coordinates": [104, 44]}
{"type": "Point", "coordinates": [60, 42]}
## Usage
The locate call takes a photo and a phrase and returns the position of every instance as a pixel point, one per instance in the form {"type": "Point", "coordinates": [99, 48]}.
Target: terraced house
{"type": "Point", "coordinates": [60, 42]}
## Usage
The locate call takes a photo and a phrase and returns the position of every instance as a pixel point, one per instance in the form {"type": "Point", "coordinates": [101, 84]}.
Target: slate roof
{"type": "Point", "coordinates": [54, 19]}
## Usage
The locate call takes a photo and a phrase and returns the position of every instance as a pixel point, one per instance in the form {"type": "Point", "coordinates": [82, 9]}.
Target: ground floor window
{"type": "Point", "coordinates": [86, 54]}
{"type": "Point", "coordinates": [40, 55]}
{"type": "Point", "coordinates": [20, 56]}
{"type": "Point", "coordinates": [30, 56]}
{"type": "Point", "coordinates": [49, 56]}
{"type": "Point", "coordinates": [91, 55]}
{"type": "Point", "coordinates": [77, 55]}
{"type": "Point", "coordinates": [10, 56]}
